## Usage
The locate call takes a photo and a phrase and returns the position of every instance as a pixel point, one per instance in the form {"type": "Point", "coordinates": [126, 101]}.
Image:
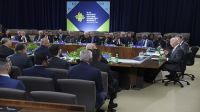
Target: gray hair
{"type": "Point", "coordinates": [85, 55]}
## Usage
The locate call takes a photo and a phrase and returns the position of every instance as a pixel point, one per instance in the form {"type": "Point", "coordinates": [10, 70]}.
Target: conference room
{"type": "Point", "coordinates": [99, 56]}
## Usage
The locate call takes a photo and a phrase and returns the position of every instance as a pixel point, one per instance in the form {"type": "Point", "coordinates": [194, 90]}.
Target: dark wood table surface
{"type": "Point", "coordinates": [123, 52]}
{"type": "Point", "coordinates": [134, 75]}
{"type": "Point", "coordinates": [31, 106]}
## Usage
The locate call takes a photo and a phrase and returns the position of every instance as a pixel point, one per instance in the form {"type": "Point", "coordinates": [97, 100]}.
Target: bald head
{"type": "Point", "coordinates": [174, 42]}
{"type": "Point", "coordinates": [86, 55]}
{"type": "Point", "coordinates": [45, 42]}
{"type": "Point", "coordinates": [7, 42]}
{"type": "Point", "coordinates": [91, 46]}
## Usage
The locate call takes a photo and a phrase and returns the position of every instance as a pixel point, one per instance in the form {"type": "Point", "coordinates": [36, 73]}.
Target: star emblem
{"type": "Point", "coordinates": [80, 17]}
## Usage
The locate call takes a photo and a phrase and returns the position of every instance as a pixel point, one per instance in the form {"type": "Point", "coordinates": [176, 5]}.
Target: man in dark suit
{"type": "Point", "coordinates": [85, 39]}
{"type": "Point", "coordinates": [38, 70]}
{"type": "Point", "coordinates": [85, 71]}
{"type": "Point", "coordinates": [39, 36]}
{"type": "Point", "coordinates": [184, 45]}
{"type": "Point", "coordinates": [145, 41]}
{"type": "Point", "coordinates": [5, 48]}
{"type": "Point", "coordinates": [112, 83]}
{"type": "Point", "coordinates": [20, 58]}
{"type": "Point", "coordinates": [55, 61]}
{"type": "Point", "coordinates": [5, 80]}
{"type": "Point", "coordinates": [174, 57]}
{"type": "Point", "coordinates": [60, 37]}
{"type": "Point", "coordinates": [22, 37]}
{"type": "Point", "coordinates": [43, 49]}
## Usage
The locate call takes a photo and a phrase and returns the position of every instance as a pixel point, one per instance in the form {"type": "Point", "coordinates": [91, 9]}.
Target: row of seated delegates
{"type": "Point", "coordinates": [5, 80]}
{"type": "Point", "coordinates": [85, 71]}
{"type": "Point", "coordinates": [5, 48]}
{"type": "Point", "coordinates": [22, 37]}
{"type": "Point", "coordinates": [175, 56]}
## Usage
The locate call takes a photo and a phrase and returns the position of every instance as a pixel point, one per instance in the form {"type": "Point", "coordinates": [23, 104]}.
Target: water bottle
{"type": "Point", "coordinates": [116, 58]}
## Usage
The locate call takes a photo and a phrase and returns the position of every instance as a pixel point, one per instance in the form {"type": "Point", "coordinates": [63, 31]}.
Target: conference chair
{"type": "Point", "coordinates": [84, 90]}
{"type": "Point", "coordinates": [8, 93]}
{"type": "Point", "coordinates": [59, 73]}
{"type": "Point", "coordinates": [105, 81]}
{"type": "Point", "coordinates": [176, 75]}
{"type": "Point", "coordinates": [53, 97]}
{"type": "Point", "coordinates": [37, 83]}
{"type": "Point", "coordinates": [190, 60]}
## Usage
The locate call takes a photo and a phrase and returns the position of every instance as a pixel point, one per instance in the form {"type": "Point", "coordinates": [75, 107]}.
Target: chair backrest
{"type": "Point", "coordinates": [191, 56]}
{"type": "Point", "coordinates": [84, 90]}
{"type": "Point", "coordinates": [194, 50]}
{"type": "Point", "coordinates": [59, 73]}
{"type": "Point", "coordinates": [37, 83]}
{"type": "Point", "coordinates": [8, 93]}
{"type": "Point", "coordinates": [105, 81]}
{"type": "Point", "coordinates": [53, 97]}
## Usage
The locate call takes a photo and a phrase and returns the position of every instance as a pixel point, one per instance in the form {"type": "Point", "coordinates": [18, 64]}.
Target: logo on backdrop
{"type": "Point", "coordinates": [80, 17]}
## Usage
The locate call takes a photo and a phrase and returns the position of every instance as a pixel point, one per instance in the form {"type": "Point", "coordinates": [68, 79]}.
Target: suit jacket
{"type": "Point", "coordinates": [185, 47]}
{"type": "Point", "coordinates": [94, 39]}
{"type": "Point", "coordinates": [38, 71]}
{"type": "Point", "coordinates": [175, 60]}
{"type": "Point", "coordinates": [19, 38]}
{"type": "Point", "coordinates": [142, 43]}
{"type": "Point", "coordinates": [126, 41]}
{"type": "Point", "coordinates": [43, 49]}
{"type": "Point", "coordinates": [5, 51]}
{"type": "Point", "coordinates": [55, 62]}
{"type": "Point", "coordinates": [104, 68]}
{"type": "Point", "coordinates": [60, 38]}
{"type": "Point", "coordinates": [84, 71]}
{"type": "Point", "coordinates": [85, 40]}
{"type": "Point", "coordinates": [7, 82]}
{"type": "Point", "coordinates": [21, 61]}
{"type": "Point", "coordinates": [38, 38]}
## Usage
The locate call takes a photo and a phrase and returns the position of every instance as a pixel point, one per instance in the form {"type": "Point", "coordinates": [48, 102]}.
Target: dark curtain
{"type": "Point", "coordinates": [126, 15]}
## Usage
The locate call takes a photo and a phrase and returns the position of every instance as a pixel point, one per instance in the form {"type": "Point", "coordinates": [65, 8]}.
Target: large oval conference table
{"type": "Point", "coordinates": [130, 75]}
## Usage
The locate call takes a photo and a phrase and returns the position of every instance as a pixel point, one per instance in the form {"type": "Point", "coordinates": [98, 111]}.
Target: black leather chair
{"type": "Point", "coordinates": [84, 90]}
{"type": "Point", "coordinates": [37, 83]}
{"type": "Point", "coordinates": [190, 60]}
{"type": "Point", "coordinates": [176, 75]}
{"type": "Point", "coordinates": [8, 93]}
{"type": "Point", "coordinates": [53, 97]}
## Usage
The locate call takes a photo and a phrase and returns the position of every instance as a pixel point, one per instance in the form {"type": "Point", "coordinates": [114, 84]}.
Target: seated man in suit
{"type": "Point", "coordinates": [20, 58]}
{"type": "Point", "coordinates": [112, 83]}
{"type": "Point", "coordinates": [43, 49]}
{"type": "Point", "coordinates": [174, 57]}
{"type": "Point", "coordinates": [38, 70]}
{"type": "Point", "coordinates": [39, 36]}
{"type": "Point", "coordinates": [145, 41]}
{"type": "Point", "coordinates": [5, 80]}
{"type": "Point", "coordinates": [55, 61]}
{"type": "Point", "coordinates": [85, 71]}
{"type": "Point", "coordinates": [22, 37]}
{"type": "Point", "coordinates": [5, 48]}
{"type": "Point", "coordinates": [183, 44]}
{"type": "Point", "coordinates": [60, 37]}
